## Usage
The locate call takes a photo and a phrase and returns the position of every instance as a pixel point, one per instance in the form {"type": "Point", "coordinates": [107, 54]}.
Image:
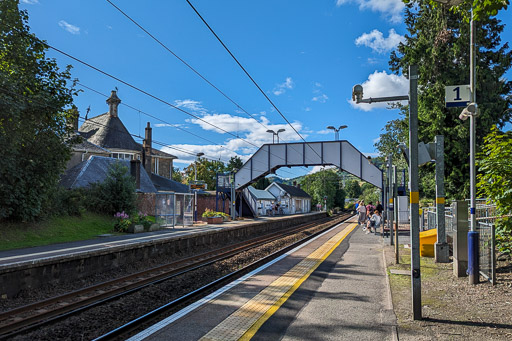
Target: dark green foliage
{"type": "Point", "coordinates": [353, 189]}
{"type": "Point", "coordinates": [262, 183]}
{"type": "Point", "coordinates": [325, 183]}
{"type": "Point", "coordinates": [495, 182]}
{"type": "Point", "coordinates": [115, 194]}
{"type": "Point", "coordinates": [71, 202]}
{"type": "Point", "coordinates": [177, 175]}
{"type": "Point", "coordinates": [206, 171]}
{"type": "Point", "coordinates": [438, 42]}
{"type": "Point", "coordinates": [34, 109]}
{"type": "Point", "coordinates": [234, 164]}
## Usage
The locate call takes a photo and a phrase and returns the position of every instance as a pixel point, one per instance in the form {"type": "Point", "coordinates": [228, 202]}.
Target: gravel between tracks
{"type": "Point", "coordinates": [99, 320]}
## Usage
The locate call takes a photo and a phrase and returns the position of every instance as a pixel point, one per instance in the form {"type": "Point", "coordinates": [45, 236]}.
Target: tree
{"type": "Point", "coordinates": [495, 181]}
{"type": "Point", "coordinates": [116, 193]}
{"type": "Point", "coordinates": [481, 8]}
{"type": "Point", "coordinates": [206, 171]}
{"type": "Point", "coordinates": [438, 42]}
{"type": "Point", "coordinates": [234, 164]}
{"type": "Point", "coordinates": [34, 105]}
{"type": "Point", "coordinates": [325, 183]}
{"type": "Point", "coordinates": [262, 183]}
{"type": "Point", "coordinates": [353, 189]}
{"type": "Point", "coordinates": [177, 175]}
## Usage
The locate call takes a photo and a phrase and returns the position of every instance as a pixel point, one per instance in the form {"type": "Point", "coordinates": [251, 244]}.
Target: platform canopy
{"type": "Point", "coordinates": [341, 154]}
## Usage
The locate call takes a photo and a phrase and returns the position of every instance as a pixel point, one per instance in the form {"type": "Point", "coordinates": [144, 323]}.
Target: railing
{"type": "Point", "coordinates": [487, 254]}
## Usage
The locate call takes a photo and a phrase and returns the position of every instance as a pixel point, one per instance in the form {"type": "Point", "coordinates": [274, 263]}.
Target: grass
{"type": "Point", "coordinates": [54, 230]}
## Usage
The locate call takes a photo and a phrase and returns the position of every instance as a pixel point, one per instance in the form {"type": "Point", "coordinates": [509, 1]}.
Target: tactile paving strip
{"type": "Point", "coordinates": [245, 322]}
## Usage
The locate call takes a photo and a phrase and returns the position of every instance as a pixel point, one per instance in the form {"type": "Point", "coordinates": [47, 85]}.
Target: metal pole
{"type": "Point", "coordinates": [473, 266]}
{"type": "Point", "coordinates": [390, 200]}
{"type": "Point", "coordinates": [233, 199]}
{"type": "Point", "coordinates": [395, 210]}
{"type": "Point", "coordinates": [414, 193]}
{"type": "Point", "coordinates": [442, 251]}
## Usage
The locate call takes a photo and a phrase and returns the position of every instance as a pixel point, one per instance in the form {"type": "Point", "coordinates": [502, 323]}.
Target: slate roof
{"type": "Point", "coordinates": [108, 132]}
{"type": "Point", "coordinates": [85, 145]}
{"type": "Point", "coordinates": [292, 190]}
{"type": "Point", "coordinates": [164, 184]}
{"type": "Point", "coordinates": [259, 194]}
{"type": "Point", "coordinates": [95, 169]}
{"type": "Point", "coordinates": [159, 153]}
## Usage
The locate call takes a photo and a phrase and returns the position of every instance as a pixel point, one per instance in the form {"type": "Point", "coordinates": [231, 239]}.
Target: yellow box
{"type": "Point", "coordinates": [427, 241]}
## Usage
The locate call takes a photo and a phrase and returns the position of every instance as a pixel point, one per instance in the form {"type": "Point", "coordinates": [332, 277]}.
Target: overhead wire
{"type": "Point", "coordinates": [186, 64]}
{"type": "Point", "coordinates": [163, 121]}
{"type": "Point", "coordinates": [248, 75]}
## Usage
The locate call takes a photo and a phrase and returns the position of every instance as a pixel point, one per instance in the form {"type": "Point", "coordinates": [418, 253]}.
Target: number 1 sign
{"type": "Point", "coordinates": [457, 96]}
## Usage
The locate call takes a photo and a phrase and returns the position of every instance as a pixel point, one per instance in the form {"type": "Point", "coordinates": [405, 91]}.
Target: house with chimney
{"type": "Point", "coordinates": [105, 135]}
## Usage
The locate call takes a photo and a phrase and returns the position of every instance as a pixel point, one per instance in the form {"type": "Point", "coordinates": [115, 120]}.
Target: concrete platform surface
{"type": "Point", "coordinates": [344, 296]}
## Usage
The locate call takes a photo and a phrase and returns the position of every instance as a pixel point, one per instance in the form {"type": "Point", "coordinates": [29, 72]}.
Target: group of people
{"type": "Point", "coordinates": [369, 216]}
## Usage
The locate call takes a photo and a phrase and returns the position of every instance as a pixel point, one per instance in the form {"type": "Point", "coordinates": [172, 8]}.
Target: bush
{"type": "Point", "coordinates": [122, 222]}
{"type": "Point", "coordinates": [115, 194]}
{"type": "Point", "coordinates": [211, 213]}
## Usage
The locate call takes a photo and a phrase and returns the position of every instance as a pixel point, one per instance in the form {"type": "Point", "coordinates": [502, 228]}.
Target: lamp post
{"type": "Point", "coordinates": [472, 111]}
{"type": "Point", "coordinates": [357, 96]}
{"type": "Point", "coordinates": [198, 155]}
{"type": "Point", "coordinates": [275, 134]}
{"type": "Point", "coordinates": [336, 131]}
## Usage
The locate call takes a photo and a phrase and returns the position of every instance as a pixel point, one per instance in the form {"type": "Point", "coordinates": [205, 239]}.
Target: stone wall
{"type": "Point", "coordinates": [208, 201]}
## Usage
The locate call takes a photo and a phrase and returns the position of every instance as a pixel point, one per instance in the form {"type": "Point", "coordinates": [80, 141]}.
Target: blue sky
{"type": "Point", "coordinates": [305, 55]}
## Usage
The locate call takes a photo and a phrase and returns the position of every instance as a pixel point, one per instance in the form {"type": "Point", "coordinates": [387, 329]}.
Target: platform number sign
{"type": "Point", "coordinates": [457, 96]}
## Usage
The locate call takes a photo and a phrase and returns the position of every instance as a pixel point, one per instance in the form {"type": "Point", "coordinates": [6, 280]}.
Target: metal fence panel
{"type": "Point", "coordinates": [487, 254]}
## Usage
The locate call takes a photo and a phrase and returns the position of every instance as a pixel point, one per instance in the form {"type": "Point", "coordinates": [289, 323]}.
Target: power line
{"type": "Point", "coordinates": [156, 118]}
{"type": "Point", "coordinates": [185, 63]}
{"type": "Point", "coordinates": [188, 65]}
{"type": "Point", "coordinates": [248, 75]}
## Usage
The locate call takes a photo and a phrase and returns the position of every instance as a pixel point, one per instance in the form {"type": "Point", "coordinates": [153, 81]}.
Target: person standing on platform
{"type": "Point", "coordinates": [379, 207]}
{"type": "Point", "coordinates": [361, 210]}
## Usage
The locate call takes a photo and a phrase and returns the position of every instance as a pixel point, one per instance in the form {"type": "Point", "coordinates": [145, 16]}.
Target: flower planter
{"type": "Point", "coordinates": [214, 220]}
{"type": "Point", "coordinates": [135, 229]}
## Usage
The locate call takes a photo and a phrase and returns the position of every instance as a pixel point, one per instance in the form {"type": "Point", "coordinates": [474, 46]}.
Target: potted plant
{"type": "Point", "coordinates": [213, 217]}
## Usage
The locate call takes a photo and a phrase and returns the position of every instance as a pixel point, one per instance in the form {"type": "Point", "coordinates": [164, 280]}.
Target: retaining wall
{"type": "Point", "coordinates": [68, 268]}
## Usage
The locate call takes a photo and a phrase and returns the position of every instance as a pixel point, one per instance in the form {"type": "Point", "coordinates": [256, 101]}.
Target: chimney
{"type": "Point", "coordinates": [295, 184]}
{"type": "Point", "coordinates": [146, 146]}
{"type": "Point", "coordinates": [113, 102]}
{"type": "Point", "coordinates": [135, 172]}
{"type": "Point", "coordinates": [298, 186]}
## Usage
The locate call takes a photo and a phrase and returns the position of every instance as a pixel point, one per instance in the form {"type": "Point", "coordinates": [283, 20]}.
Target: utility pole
{"type": "Point", "coordinates": [390, 199]}
{"type": "Point", "coordinates": [414, 193]}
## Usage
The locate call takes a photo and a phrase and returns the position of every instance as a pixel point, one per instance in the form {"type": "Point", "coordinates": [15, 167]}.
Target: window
{"type": "Point", "coordinates": [122, 156]}
{"type": "Point", "coordinates": [155, 165]}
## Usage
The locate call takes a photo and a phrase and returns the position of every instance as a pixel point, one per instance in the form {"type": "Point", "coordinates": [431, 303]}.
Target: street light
{"type": "Point", "coordinates": [357, 96]}
{"type": "Point", "coordinates": [198, 155]}
{"type": "Point", "coordinates": [336, 131]}
{"type": "Point", "coordinates": [275, 134]}
{"type": "Point", "coordinates": [471, 111]}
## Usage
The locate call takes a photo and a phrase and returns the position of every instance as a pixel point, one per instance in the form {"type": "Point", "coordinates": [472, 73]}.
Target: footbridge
{"type": "Point", "coordinates": [341, 154]}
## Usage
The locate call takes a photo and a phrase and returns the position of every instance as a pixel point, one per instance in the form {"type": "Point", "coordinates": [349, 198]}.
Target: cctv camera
{"type": "Point", "coordinates": [357, 93]}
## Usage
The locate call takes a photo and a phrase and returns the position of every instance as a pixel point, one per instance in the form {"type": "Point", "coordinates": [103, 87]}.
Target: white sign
{"type": "Point", "coordinates": [457, 96]}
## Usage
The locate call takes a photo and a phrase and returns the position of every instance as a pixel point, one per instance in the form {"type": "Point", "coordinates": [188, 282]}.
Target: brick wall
{"type": "Point", "coordinates": [146, 203]}
{"type": "Point", "coordinates": [208, 201]}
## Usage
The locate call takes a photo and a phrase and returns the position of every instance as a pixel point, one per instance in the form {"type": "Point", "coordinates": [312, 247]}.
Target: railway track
{"type": "Point", "coordinates": [33, 316]}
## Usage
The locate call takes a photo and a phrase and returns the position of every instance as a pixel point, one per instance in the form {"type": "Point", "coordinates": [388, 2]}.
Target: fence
{"type": "Point", "coordinates": [486, 215]}
{"type": "Point", "coordinates": [487, 256]}
{"type": "Point", "coordinates": [174, 209]}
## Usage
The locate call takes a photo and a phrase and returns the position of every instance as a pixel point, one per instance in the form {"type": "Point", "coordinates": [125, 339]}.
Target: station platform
{"type": "Point", "coordinates": [333, 288]}
{"type": "Point", "coordinates": [108, 242]}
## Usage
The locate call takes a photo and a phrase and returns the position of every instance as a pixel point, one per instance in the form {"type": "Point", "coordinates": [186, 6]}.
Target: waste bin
{"type": "Point", "coordinates": [427, 240]}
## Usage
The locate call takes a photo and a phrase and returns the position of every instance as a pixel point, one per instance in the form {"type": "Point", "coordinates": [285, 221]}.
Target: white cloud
{"type": "Point", "coordinates": [381, 84]}
{"type": "Point", "coordinates": [68, 27]}
{"type": "Point", "coordinates": [160, 125]}
{"type": "Point", "coordinates": [281, 88]}
{"type": "Point", "coordinates": [376, 140]}
{"type": "Point", "coordinates": [376, 41]}
{"type": "Point", "coordinates": [324, 132]}
{"type": "Point", "coordinates": [322, 98]}
{"type": "Point", "coordinates": [190, 105]}
{"type": "Point", "coordinates": [320, 168]}
{"type": "Point", "coordinates": [391, 8]}
{"type": "Point", "coordinates": [30, 2]}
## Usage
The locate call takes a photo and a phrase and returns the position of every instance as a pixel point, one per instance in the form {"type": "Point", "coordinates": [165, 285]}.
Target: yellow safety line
{"type": "Point", "coordinates": [260, 308]}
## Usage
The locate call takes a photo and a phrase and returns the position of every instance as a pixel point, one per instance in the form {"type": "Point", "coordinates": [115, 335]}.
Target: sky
{"type": "Point", "coordinates": [305, 55]}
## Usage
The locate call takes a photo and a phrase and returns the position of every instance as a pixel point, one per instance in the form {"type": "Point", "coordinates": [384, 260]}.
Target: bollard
{"type": "Point", "coordinates": [473, 259]}
{"type": "Point", "coordinates": [460, 239]}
